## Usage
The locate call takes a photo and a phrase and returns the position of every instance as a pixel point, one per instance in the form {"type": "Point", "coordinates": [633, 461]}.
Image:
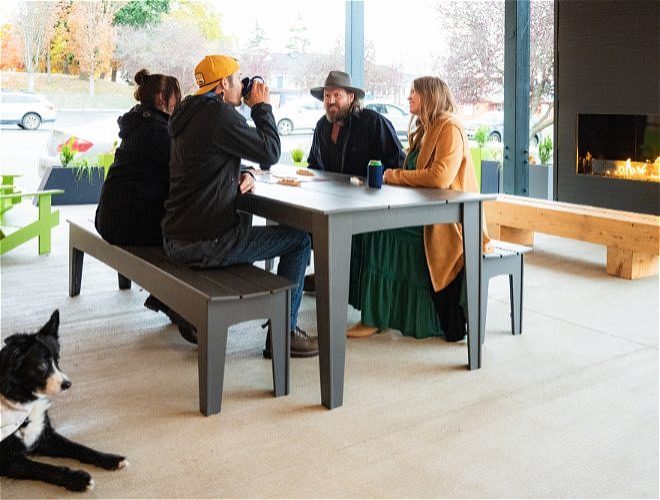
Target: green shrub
{"type": "Point", "coordinates": [545, 150]}
{"type": "Point", "coordinates": [481, 136]}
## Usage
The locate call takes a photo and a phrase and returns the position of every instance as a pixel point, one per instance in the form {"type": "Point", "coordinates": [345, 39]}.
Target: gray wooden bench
{"type": "Point", "coordinates": [210, 299]}
{"type": "Point", "coordinates": [506, 258]}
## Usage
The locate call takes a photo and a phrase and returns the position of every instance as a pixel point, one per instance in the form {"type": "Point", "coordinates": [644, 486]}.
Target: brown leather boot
{"type": "Point", "coordinates": [302, 345]}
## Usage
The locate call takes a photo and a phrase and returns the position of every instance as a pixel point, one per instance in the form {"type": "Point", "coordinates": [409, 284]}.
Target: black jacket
{"type": "Point", "coordinates": [209, 138]}
{"type": "Point", "coordinates": [131, 208]}
{"type": "Point", "coordinates": [366, 135]}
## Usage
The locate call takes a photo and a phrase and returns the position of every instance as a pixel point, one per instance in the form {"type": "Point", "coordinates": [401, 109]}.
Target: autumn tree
{"type": "Point", "coordinates": [61, 53]}
{"type": "Point", "coordinates": [34, 21]}
{"type": "Point", "coordinates": [93, 34]}
{"type": "Point", "coordinates": [11, 48]}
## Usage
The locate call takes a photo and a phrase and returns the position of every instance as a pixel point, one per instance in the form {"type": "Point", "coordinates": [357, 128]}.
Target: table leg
{"type": "Point", "coordinates": [472, 249]}
{"type": "Point", "coordinates": [332, 256]}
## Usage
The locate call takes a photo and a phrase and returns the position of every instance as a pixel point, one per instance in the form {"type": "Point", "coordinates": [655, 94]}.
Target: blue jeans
{"type": "Point", "coordinates": [292, 246]}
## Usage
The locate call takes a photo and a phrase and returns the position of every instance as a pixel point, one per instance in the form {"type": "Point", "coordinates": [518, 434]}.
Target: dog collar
{"type": "Point", "coordinates": [12, 416]}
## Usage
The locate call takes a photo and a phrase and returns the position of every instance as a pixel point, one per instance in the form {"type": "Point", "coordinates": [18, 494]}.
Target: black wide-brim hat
{"type": "Point", "coordinates": [337, 79]}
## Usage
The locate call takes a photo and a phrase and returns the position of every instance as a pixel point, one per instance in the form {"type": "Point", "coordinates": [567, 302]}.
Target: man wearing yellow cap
{"type": "Point", "coordinates": [202, 227]}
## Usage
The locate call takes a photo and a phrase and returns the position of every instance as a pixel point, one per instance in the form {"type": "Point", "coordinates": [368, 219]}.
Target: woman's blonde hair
{"type": "Point", "coordinates": [436, 101]}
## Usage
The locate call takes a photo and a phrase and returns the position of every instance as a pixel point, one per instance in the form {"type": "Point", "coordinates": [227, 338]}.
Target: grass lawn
{"type": "Point", "coordinates": [72, 92]}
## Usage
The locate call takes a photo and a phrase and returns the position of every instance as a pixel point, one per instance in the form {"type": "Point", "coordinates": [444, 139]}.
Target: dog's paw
{"type": "Point", "coordinates": [113, 462]}
{"type": "Point", "coordinates": [78, 480]}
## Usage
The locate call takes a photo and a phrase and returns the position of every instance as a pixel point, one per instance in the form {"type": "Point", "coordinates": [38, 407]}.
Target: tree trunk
{"type": "Point", "coordinates": [91, 80]}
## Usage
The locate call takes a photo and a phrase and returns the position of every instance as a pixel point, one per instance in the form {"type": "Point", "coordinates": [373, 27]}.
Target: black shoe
{"type": "Point", "coordinates": [154, 304]}
{"type": "Point", "coordinates": [187, 331]}
{"type": "Point", "coordinates": [302, 345]}
{"type": "Point", "coordinates": [309, 285]}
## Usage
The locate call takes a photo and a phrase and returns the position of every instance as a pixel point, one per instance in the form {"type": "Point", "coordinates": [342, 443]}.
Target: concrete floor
{"type": "Point", "coordinates": [568, 409]}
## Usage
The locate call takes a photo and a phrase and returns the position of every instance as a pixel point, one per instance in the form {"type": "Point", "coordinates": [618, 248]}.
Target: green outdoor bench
{"type": "Point", "coordinates": [12, 236]}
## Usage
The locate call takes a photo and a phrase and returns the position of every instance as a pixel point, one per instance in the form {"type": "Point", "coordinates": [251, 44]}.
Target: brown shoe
{"type": "Point", "coordinates": [360, 330]}
{"type": "Point", "coordinates": [302, 345]}
{"type": "Point", "coordinates": [309, 284]}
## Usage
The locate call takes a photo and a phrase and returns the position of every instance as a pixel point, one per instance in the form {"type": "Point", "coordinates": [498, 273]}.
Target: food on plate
{"type": "Point", "coordinates": [305, 171]}
{"type": "Point", "coordinates": [288, 181]}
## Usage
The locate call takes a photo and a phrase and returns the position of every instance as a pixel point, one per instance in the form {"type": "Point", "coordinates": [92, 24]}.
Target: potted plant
{"type": "Point", "coordinates": [540, 175]}
{"type": "Point", "coordinates": [486, 156]}
{"type": "Point", "coordinates": [81, 179]}
{"type": "Point", "coordinates": [297, 155]}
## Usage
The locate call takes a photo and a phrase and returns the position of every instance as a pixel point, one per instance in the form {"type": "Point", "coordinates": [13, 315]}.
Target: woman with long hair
{"type": "Point", "coordinates": [131, 207]}
{"type": "Point", "coordinates": [411, 279]}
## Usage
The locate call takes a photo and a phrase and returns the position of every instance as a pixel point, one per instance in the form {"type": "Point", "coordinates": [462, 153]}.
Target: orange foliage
{"type": "Point", "coordinates": [11, 49]}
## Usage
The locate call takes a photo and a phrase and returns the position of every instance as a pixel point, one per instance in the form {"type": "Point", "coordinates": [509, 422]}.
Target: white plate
{"type": "Point", "coordinates": [289, 172]}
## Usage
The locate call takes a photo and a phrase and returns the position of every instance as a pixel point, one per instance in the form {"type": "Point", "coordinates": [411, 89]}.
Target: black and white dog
{"type": "Point", "coordinates": [29, 376]}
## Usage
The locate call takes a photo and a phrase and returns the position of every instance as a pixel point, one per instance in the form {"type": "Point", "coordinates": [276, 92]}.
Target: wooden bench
{"type": "Point", "coordinates": [210, 299]}
{"type": "Point", "coordinates": [11, 236]}
{"type": "Point", "coordinates": [632, 239]}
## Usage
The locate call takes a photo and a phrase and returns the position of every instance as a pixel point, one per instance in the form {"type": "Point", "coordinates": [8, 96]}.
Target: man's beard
{"type": "Point", "coordinates": [337, 113]}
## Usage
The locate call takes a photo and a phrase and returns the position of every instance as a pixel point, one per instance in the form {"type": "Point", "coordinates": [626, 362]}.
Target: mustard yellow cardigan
{"type": "Point", "coordinates": [444, 161]}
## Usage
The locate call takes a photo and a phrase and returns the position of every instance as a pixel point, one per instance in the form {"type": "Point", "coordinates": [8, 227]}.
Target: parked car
{"type": "Point", "coordinates": [398, 116]}
{"type": "Point", "coordinates": [26, 109]}
{"type": "Point", "coordinates": [494, 120]}
{"type": "Point", "coordinates": [298, 115]}
{"type": "Point", "coordinates": [91, 139]}
{"type": "Point", "coordinates": [304, 113]}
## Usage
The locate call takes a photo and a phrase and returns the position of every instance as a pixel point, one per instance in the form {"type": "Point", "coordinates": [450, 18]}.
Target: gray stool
{"type": "Point", "coordinates": [506, 258]}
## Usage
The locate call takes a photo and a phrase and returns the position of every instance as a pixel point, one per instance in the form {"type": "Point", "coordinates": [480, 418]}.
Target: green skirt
{"type": "Point", "coordinates": [390, 282]}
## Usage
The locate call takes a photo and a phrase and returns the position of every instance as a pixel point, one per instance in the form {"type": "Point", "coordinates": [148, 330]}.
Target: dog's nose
{"type": "Point", "coordinates": [66, 384]}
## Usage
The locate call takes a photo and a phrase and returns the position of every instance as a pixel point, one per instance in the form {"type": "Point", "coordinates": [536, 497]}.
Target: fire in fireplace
{"type": "Point", "coordinates": [619, 146]}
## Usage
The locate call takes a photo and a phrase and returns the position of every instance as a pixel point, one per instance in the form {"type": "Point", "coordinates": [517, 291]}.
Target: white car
{"type": "Point", "coordinates": [25, 109]}
{"type": "Point", "coordinates": [91, 139]}
{"type": "Point", "coordinates": [305, 113]}
{"type": "Point", "coordinates": [396, 115]}
{"type": "Point", "coordinates": [300, 114]}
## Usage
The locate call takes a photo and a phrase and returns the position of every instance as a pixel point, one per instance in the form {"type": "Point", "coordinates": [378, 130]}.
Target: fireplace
{"type": "Point", "coordinates": [619, 146]}
{"type": "Point", "coordinates": [607, 108]}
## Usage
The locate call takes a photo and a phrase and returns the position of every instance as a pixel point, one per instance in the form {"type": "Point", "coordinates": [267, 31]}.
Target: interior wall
{"type": "Point", "coordinates": [607, 61]}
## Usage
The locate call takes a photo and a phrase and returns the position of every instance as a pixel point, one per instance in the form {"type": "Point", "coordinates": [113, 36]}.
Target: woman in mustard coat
{"type": "Point", "coordinates": [411, 279]}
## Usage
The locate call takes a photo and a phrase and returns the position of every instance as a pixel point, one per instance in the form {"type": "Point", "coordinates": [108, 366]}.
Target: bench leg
{"type": "Point", "coordinates": [516, 235]}
{"type": "Point", "coordinates": [628, 264]}
{"type": "Point", "coordinates": [75, 270]}
{"type": "Point", "coordinates": [124, 282]}
{"type": "Point", "coordinates": [281, 343]}
{"type": "Point", "coordinates": [211, 351]}
{"type": "Point", "coordinates": [515, 293]}
{"type": "Point", "coordinates": [484, 306]}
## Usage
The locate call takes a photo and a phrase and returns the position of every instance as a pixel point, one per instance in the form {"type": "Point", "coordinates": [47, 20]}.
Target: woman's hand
{"type": "Point", "coordinates": [247, 183]}
{"type": "Point", "coordinates": [387, 175]}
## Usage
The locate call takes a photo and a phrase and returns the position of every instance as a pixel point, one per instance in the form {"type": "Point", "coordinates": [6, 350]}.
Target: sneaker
{"type": "Point", "coordinates": [309, 285]}
{"type": "Point", "coordinates": [302, 345]}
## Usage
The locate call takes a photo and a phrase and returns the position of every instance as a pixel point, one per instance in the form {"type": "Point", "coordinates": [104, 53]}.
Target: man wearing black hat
{"type": "Point", "coordinates": [348, 137]}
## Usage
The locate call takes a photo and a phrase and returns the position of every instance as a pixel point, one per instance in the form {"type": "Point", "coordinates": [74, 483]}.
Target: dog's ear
{"type": "Point", "coordinates": [52, 326]}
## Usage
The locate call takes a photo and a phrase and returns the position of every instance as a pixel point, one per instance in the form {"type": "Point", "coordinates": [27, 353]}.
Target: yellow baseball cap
{"type": "Point", "coordinates": [210, 70]}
